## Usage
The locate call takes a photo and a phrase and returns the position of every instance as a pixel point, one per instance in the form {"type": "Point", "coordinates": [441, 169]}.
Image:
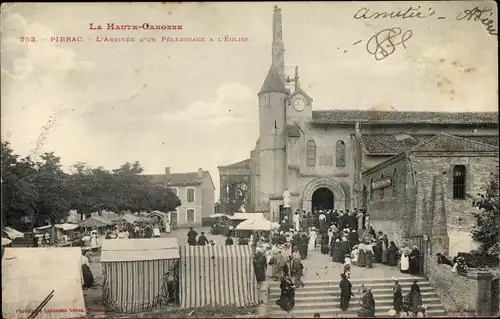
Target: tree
{"type": "Point", "coordinates": [53, 193]}
{"type": "Point", "coordinates": [488, 220]}
{"type": "Point", "coordinates": [19, 195]}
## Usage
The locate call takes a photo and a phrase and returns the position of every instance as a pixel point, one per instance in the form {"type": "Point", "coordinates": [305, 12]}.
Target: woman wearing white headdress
{"type": "Point", "coordinates": [312, 240]}
{"type": "Point", "coordinates": [296, 221]}
{"type": "Point", "coordinates": [405, 259]}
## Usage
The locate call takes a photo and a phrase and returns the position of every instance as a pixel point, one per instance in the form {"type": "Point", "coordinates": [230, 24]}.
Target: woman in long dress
{"type": "Point", "coordinates": [392, 254]}
{"type": "Point", "coordinates": [361, 258]}
{"type": "Point", "coordinates": [384, 251]}
{"type": "Point", "coordinates": [397, 300]}
{"type": "Point", "coordinates": [405, 260]}
{"type": "Point", "coordinates": [296, 221]}
{"type": "Point", "coordinates": [287, 297]}
{"type": "Point", "coordinates": [93, 240]}
{"type": "Point", "coordinates": [312, 240]}
{"type": "Point", "coordinates": [368, 255]}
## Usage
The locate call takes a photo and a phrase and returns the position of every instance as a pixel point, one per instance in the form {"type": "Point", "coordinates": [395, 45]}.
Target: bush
{"type": "Point", "coordinates": [488, 220]}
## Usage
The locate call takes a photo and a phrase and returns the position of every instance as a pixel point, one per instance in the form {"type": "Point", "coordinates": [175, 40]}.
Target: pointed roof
{"type": "Point", "coordinates": [450, 143]}
{"type": "Point", "coordinates": [272, 83]}
{"type": "Point", "coordinates": [300, 91]}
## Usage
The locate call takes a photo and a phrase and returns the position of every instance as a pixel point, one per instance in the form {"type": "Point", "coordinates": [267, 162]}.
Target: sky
{"type": "Point", "coordinates": [194, 105]}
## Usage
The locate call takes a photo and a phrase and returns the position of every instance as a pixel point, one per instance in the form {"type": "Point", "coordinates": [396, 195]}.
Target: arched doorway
{"type": "Point", "coordinates": [322, 199]}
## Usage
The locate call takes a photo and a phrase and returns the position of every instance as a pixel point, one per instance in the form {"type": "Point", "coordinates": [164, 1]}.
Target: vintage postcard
{"type": "Point", "coordinates": [250, 159]}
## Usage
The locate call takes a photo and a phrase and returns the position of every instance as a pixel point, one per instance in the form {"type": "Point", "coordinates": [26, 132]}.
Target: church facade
{"type": "Point", "coordinates": [320, 156]}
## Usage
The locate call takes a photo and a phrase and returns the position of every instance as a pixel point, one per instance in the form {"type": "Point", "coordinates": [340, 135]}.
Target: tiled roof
{"type": "Point", "coordinates": [391, 144]}
{"type": "Point", "coordinates": [178, 179]}
{"type": "Point", "coordinates": [240, 164]}
{"type": "Point", "coordinates": [292, 131]}
{"type": "Point", "coordinates": [449, 143]}
{"type": "Point", "coordinates": [396, 117]}
{"type": "Point", "coordinates": [272, 83]}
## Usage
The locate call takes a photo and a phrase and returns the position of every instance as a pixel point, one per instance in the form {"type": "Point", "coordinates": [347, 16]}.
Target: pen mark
{"type": "Point", "coordinates": [384, 43]}
{"type": "Point", "coordinates": [356, 42]}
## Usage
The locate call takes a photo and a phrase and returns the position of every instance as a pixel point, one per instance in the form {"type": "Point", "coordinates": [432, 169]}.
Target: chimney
{"type": "Point", "coordinates": [200, 172]}
{"type": "Point", "coordinates": [167, 170]}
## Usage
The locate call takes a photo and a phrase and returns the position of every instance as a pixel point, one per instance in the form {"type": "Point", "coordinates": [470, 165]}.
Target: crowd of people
{"type": "Point", "coordinates": [336, 234]}
{"type": "Point", "coordinates": [139, 229]}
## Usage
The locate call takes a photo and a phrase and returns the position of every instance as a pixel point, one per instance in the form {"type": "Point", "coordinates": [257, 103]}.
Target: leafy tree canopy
{"type": "Point", "coordinates": [42, 192]}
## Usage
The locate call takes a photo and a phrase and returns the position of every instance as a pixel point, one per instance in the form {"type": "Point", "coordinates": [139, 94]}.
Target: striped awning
{"type": "Point", "coordinates": [217, 275]}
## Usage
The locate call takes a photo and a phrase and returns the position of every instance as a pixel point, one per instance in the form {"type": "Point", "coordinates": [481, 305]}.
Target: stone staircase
{"type": "Point", "coordinates": [322, 297]}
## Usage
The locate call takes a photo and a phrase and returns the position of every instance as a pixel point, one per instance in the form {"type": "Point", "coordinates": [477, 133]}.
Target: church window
{"type": "Point", "coordinates": [371, 189]}
{"type": "Point", "coordinates": [311, 153]}
{"type": "Point", "coordinates": [459, 182]}
{"type": "Point", "coordinates": [382, 189]}
{"type": "Point", "coordinates": [340, 154]}
{"type": "Point", "coordinates": [394, 186]}
{"type": "Point", "coordinates": [326, 160]}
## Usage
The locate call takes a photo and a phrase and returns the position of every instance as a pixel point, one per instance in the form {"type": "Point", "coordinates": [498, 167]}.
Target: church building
{"type": "Point", "coordinates": [336, 159]}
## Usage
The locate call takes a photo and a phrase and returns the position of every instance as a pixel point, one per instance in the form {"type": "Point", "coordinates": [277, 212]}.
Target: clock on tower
{"type": "Point", "coordinates": [299, 104]}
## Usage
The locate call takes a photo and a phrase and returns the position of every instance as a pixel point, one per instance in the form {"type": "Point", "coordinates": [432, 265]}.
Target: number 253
{"type": "Point", "coordinates": [28, 39]}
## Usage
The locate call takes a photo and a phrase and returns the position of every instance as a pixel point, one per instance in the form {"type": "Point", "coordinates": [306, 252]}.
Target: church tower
{"type": "Point", "coordinates": [272, 121]}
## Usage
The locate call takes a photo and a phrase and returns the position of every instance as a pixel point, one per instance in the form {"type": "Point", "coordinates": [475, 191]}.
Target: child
{"type": "Point", "coordinates": [347, 263]}
{"type": "Point", "coordinates": [355, 255]}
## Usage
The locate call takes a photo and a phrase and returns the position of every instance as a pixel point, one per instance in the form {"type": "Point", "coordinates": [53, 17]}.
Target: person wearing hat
{"type": "Point", "coordinates": [347, 263]}
{"type": "Point", "coordinates": [297, 270]}
{"type": "Point", "coordinates": [415, 261]}
{"type": "Point", "coordinates": [202, 240]}
{"type": "Point", "coordinates": [337, 251]}
{"type": "Point", "coordinates": [361, 258]}
{"type": "Point", "coordinates": [397, 300]}
{"type": "Point", "coordinates": [368, 255]}
{"type": "Point", "coordinates": [367, 304]}
{"type": "Point", "coordinates": [192, 236]}
{"type": "Point", "coordinates": [345, 249]}
{"type": "Point", "coordinates": [345, 292]}
{"type": "Point", "coordinates": [355, 255]}
{"type": "Point", "coordinates": [312, 239]}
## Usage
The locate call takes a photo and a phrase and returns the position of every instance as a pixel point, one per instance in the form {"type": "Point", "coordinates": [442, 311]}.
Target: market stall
{"type": "Point", "coordinates": [96, 222]}
{"type": "Point", "coordinates": [139, 274]}
{"type": "Point", "coordinates": [217, 276]}
{"type": "Point", "coordinates": [258, 226]}
{"type": "Point", "coordinates": [219, 224]}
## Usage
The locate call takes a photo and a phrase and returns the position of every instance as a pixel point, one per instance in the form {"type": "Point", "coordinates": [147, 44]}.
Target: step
{"type": "Point", "coordinates": [360, 281]}
{"type": "Point", "coordinates": [380, 305]}
{"type": "Point", "coordinates": [355, 290]}
{"type": "Point", "coordinates": [426, 298]}
{"type": "Point", "coordinates": [336, 312]}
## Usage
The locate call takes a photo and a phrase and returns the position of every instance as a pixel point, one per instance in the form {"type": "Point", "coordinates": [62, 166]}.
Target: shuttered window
{"type": "Point", "coordinates": [311, 153]}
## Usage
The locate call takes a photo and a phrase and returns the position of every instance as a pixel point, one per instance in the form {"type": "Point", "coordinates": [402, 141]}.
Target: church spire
{"type": "Point", "coordinates": [278, 48]}
{"type": "Point", "coordinates": [297, 83]}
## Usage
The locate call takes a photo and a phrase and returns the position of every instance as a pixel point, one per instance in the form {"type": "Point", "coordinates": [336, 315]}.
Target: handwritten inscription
{"type": "Point", "coordinates": [481, 15]}
{"type": "Point", "coordinates": [410, 13]}
{"type": "Point", "coordinates": [384, 43]}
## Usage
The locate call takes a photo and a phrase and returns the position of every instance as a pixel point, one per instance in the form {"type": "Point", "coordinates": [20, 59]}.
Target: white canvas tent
{"type": "Point", "coordinates": [136, 272]}
{"type": "Point", "coordinates": [12, 233]}
{"type": "Point", "coordinates": [255, 224]}
{"type": "Point", "coordinates": [30, 274]}
{"type": "Point", "coordinates": [245, 216]}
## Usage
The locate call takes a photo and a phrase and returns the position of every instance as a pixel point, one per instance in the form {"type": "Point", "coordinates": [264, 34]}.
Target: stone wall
{"type": "Point", "coordinates": [460, 295]}
{"type": "Point", "coordinates": [388, 214]}
{"type": "Point", "coordinates": [448, 221]}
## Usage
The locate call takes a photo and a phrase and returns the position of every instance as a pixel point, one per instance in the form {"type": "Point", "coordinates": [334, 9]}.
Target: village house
{"type": "Point", "coordinates": [196, 190]}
